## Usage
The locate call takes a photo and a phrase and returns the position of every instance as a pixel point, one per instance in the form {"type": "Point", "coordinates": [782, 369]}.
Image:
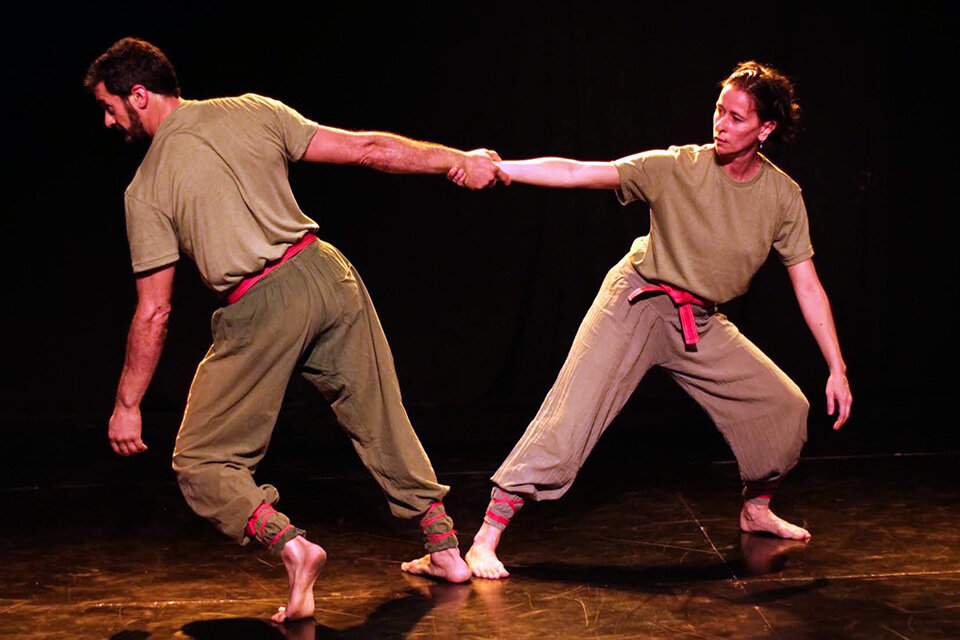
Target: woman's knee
{"type": "Point", "coordinates": [794, 403]}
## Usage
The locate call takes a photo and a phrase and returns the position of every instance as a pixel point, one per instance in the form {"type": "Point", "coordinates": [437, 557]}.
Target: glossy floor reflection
{"type": "Point", "coordinates": [629, 553]}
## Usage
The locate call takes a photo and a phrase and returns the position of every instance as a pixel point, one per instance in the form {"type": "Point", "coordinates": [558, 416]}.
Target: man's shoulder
{"type": "Point", "coordinates": [244, 100]}
{"type": "Point", "coordinates": [192, 111]}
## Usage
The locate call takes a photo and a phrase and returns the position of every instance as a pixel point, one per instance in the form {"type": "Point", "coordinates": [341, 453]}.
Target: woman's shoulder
{"type": "Point", "coordinates": [778, 175]}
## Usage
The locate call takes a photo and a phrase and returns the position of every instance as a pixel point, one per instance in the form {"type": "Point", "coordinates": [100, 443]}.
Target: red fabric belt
{"type": "Point", "coordinates": [682, 300]}
{"type": "Point", "coordinates": [237, 292]}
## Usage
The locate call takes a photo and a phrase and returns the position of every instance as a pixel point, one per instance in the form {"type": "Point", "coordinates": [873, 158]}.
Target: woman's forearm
{"type": "Point", "coordinates": [563, 173]}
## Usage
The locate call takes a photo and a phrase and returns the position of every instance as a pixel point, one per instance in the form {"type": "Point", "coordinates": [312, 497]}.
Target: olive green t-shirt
{"type": "Point", "coordinates": [709, 233]}
{"type": "Point", "coordinates": [214, 185]}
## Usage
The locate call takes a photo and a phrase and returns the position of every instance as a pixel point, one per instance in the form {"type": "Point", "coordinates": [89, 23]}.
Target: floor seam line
{"type": "Point", "coordinates": [736, 579]}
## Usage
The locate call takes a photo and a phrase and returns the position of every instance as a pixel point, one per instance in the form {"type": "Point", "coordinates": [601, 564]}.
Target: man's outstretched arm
{"type": "Point", "coordinates": [395, 154]}
{"type": "Point", "coordinates": [556, 172]}
{"type": "Point", "coordinates": [816, 311]}
{"type": "Point", "coordinates": [148, 331]}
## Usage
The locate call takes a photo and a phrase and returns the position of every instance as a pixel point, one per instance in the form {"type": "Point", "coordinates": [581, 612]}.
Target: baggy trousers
{"type": "Point", "coordinates": [761, 413]}
{"type": "Point", "coordinates": [310, 313]}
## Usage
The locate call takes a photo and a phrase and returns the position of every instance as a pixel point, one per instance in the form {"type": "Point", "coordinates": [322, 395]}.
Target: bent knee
{"type": "Point", "coordinates": [192, 469]}
{"type": "Point", "coordinates": [791, 402]}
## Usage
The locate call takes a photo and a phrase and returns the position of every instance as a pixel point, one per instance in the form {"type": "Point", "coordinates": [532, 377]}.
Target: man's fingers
{"type": "Point", "coordinates": [502, 175]}
{"type": "Point", "coordinates": [128, 447]}
{"type": "Point", "coordinates": [457, 176]}
{"type": "Point", "coordinates": [493, 155]}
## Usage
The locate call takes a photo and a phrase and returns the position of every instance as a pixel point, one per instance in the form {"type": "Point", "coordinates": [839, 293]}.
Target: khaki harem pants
{"type": "Point", "coordinates": [761, 413]}
{"type": "Point", "coordinates": [313, 313]}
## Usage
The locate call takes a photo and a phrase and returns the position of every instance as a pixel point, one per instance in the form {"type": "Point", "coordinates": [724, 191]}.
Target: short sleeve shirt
{"type": "Point", "coordinates": [214, 185]}
{"type": "Point", "coordinates": [709, 233]}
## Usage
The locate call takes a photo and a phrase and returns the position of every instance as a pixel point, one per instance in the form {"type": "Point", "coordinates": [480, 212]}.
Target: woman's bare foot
{"type": "Point", "coordinates": [763, 555]}
{"type": "Point", "coordinates": [482, 556]}
{"type": "Point", "coordinates": [303, 561]}
{"type": "Point", "coordinates": [299, 630]}
{"type": "Point", "coordinates": [446, 565]}
{"type": "Point", "coordinates": [757, 518]}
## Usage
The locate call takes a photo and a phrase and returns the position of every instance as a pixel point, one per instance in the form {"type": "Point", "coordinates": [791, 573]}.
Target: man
{"type": "Point", "coordinates": [213, 184]}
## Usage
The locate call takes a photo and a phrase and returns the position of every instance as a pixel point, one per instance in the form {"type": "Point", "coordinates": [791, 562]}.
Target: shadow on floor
{"type": "Point", "coordinates": [393, 619]}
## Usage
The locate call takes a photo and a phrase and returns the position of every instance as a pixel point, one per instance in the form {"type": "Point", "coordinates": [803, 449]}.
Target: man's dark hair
{"type": "Point", "coordinates": [773, 97]}
{"type": "Point", "coordinates": [130, 62]}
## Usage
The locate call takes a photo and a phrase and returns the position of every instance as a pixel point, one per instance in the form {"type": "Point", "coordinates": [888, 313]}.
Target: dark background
{"type": "Point", "coordinates": [481, 293]}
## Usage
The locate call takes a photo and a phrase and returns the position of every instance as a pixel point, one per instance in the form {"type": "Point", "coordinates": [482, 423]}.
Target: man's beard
{"type": "Point", "coordinates": [136, 132]}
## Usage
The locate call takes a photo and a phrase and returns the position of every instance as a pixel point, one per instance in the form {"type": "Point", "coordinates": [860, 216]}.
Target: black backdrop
{"type": "Point", "coordinates": [481, 293]}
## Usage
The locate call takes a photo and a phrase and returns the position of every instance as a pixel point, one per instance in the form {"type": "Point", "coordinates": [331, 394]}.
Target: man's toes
{"type": "Point", "coordinates": [419, 567]}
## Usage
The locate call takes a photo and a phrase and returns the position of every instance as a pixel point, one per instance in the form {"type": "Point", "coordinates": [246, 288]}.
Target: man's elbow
{"type": "Point", "coordinates": [368, 151]}
{"type": "Point", "coordinates": [156, 314]}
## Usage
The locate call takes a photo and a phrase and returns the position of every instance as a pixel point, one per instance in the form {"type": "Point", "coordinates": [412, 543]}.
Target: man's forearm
{"type": "Point", "coordinates": [391, 153]}
{"type": "Point", "coordinates": [148, 331]}
{"type": "Point", "coordinates": [395, 154]}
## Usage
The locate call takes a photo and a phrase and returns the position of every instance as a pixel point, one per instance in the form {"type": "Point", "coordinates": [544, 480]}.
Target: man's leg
{"type": "Point", "coordinates": [230, 415]}
{"type": "Point", "coordinates": [351, 364]}
{"type": "Point", "coordinates": [758, 409]}
{"type": "Point", "coordinates": [614, 347]}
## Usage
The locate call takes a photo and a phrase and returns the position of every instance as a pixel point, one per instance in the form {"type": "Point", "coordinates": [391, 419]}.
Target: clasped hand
{"type": "Point", "coordinates": [480, 170]}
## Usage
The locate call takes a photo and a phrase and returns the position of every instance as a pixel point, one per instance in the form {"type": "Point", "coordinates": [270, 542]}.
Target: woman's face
{"type": "Point", "coordinates": [736, 126]}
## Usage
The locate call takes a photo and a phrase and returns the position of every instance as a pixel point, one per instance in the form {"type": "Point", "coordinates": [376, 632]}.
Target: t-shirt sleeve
{"type": "Point", "coordinates": [296, 132]}
{"type": "Point", "coordinates": [641, 175]}
{"type": "Point", "coordinates": [793, 239]}
{"type": "Point", "coordinates": [151, 234]}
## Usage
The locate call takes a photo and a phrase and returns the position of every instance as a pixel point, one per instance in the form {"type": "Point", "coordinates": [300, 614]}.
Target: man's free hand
{"type": "Point", "coordinates": [125, 430]}
{"type": "Point", "coordinates": [479, 170]}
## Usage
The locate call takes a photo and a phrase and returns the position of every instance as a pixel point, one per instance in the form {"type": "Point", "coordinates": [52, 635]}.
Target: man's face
{"type": "Point", "coordinates": [119, 115]}
{"type": "Point", "coordinates": [736, 125]}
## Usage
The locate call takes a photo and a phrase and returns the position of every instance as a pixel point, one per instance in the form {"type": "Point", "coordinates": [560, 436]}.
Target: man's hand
{"type": "Point", "coordinates": [124, 432]}
{"type": "Point", "coordinates": [839, 398]}
{"type": "Point", "coordinates": [479, 171]}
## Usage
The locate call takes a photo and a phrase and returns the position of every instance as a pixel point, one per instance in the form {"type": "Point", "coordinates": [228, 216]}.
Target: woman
{"type": "Point", "coordinates": [715, 212]}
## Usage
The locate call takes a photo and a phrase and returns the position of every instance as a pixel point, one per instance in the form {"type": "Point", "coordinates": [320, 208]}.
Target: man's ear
{"type": "Point", "coordinates": [139, 97]}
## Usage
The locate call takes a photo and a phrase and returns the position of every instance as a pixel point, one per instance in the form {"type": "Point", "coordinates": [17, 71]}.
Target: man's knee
{"type": "Point", "coordinates": [201, 478]}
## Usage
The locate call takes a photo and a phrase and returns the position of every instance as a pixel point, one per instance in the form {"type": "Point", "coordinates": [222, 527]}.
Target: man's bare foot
{"type": "Point", "coordinates": [482, 556]}
{"type": "Point", "coordinates": [446, 565]}
{"type": "Point", "coordinates": [303, 561]}
{"type": "Point", "coordinates": [757, 518]}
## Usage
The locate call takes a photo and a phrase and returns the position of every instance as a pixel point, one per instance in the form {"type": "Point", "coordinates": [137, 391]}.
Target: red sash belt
{"type": "Point", "coordinates": [237, 292]}
{"type": "Point", "coordinates": [682, 300]}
